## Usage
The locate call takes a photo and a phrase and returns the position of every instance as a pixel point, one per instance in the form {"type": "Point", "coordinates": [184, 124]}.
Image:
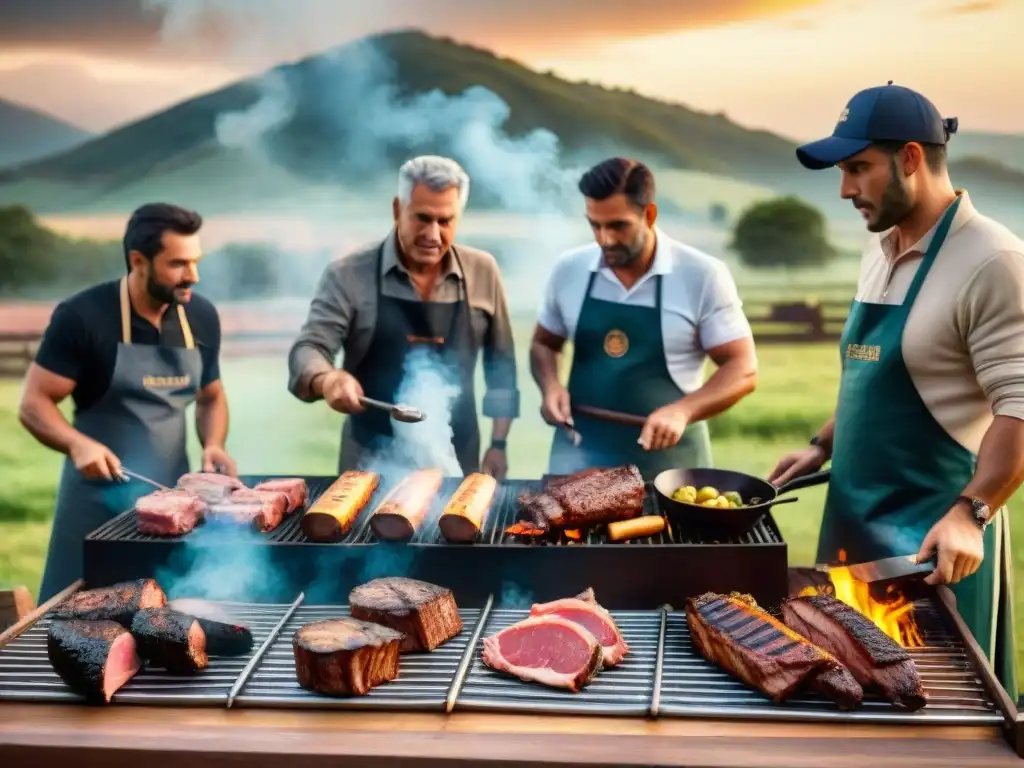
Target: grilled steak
{"type": "Point", "coordinates": [593, 618]}
{"type": "Point", "coordinates": [734, 633]}
{"type": "Point", "coordinates": [542, 509]}
{"type": "Point", "coordinates": [169, 639]}
{"type": "Point", "coordinates": [425, 614]}
{"type": "Point", "coordinates": [213, 488]}
{"type": "Point", "coordinates": [876, 661]}
{"type": "Point", "coordinates": [603, 496]}
{"type": "Point", "coordinates": [346, 656]}
{"type": "Point", "coordinates": [224, 635]}
{"type": "Point", "coordinates": [119, 602]}
{"type": "Point", "coordinates": [265, 510]}
{"type": "Point", "coordinates": [294, 488]}
{"type": "Point", "coordinates": [168, 513]}
{"type": "Point", "coordinates": [94, 658]}
{"type": "Point", "coordinates": [545, 649]}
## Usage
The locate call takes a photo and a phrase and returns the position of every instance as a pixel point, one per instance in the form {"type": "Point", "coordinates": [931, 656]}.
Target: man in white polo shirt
{"type": "Point", "coordinates": [927, 440]}
{"type": "Point", "coordinates": [644, 312]}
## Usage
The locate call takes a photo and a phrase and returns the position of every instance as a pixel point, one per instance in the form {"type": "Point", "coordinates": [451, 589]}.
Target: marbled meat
{"type": "Point", "coordinates": [118, 602]}
{"type": "Point", "coordinates": [734, 633]}
{"type": "Point", "coordinates": [169, 513]}
{"type": "Point", "coordinates": [548, 650]}
{"type": "Point", "coordinates": [345, 656]}
{"type": "Point", "coordinates": [593, 618]}
{"type": "Point", "coordinates": [875, 660]}
{"type": "Point", "coordinates": [424, 613]}
{"type": "Point", "coordinates": [170, 639]}
{"type": "Point", "coordinates": [94, 658]}
{"type": "Point", "coordinates": [263, 509]}
{"type": "Point", "coordinates": [294, 487]}
{"type": "Point", "coordinates": [213, 488]}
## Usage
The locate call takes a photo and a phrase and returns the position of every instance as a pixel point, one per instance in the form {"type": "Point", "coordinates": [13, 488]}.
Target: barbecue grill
{"type": "Point", "coordinates": [642, 573]}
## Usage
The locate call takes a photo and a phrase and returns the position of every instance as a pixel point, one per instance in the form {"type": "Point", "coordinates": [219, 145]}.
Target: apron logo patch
{"type": "Point", "coordinates": [868, 353]}
{"type": "Point", "coordinates": [616, 343]}
{"type": "Point", "coordinates": [166, 382]}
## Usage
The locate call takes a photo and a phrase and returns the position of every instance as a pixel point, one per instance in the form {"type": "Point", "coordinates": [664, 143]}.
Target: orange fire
{"type": "Point", "coordinates": [894, 616]}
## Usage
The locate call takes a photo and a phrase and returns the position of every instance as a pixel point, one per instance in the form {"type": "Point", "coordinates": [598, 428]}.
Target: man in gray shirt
{"type": "Point", "coordinates": [412, 311]}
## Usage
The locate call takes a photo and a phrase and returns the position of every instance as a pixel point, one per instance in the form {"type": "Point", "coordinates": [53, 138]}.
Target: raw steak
{"type": "Point", "coordinates": [602, 496]}
{"type": "Point", "coordinates": [425, 614]}
{"type": "Point", "coordinates": [94, 658]}
{"type": "Point", "coordinates": [169, 513]}
{"type": "Point", "coordinates": [346, 656]}
{"type": "Point", "coordinates": [213, 488]}
{"type": "Point", "coordinates": [734, 633]}
{"type": "Point", "coordinates": [545, 649]}
{"type": "Point", "coordinates": [263, 509]}
{"type": "Point", "coordinates": [593, 618]}
{"type": "Point", "coordinates": [876, 661]}
{"type": "Point", "coordinates": [169, 639]}
{"type": "Point", "coordinates": [119, 602]}
{"type": "Point", "coordinates": [293, 487]}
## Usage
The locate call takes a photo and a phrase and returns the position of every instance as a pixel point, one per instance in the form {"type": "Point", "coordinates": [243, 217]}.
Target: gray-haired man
{"type": "Point", "coordinates": [414, 290]}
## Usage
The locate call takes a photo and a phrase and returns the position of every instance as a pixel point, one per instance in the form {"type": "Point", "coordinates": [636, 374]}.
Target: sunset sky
{"type": "Point", "coordinates": [785, 65]}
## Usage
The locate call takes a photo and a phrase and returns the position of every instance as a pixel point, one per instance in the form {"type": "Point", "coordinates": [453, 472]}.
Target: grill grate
{"type": "Point", "coordinates": [426, 680]}
{"type": "Point", "coordinates": [26, 674]}
{"type": "Point", "coordinates": [623, 690]}
{"type": "Point", "coordinates": [693, 687]}
{"type": "Point", "coordinates": [504, 512]}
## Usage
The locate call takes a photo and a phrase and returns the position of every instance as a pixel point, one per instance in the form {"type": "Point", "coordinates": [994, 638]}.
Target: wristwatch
{"type": "Point", "coordinates": [979, 510]}
{"type": "Point", "coordinates": [499, 444]}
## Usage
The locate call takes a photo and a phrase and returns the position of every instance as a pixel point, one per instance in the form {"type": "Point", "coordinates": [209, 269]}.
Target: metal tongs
{"type": "Point", "coordinates": [404, 413]}
{"type": "Point", "coordinates": [127, 473]}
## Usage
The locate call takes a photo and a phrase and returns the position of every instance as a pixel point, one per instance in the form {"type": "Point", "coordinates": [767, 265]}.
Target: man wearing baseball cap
{"type": "Point", "coordinates": [927, 439]}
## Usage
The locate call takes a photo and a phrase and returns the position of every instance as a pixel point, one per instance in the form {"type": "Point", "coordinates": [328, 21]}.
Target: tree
{"type": "Point", "coordinates": [782, 232]}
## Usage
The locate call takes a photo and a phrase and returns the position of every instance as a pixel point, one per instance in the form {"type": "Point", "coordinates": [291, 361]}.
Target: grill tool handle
{"type": "Point", "coordinates": [615, 417]}
{"type": "Point", "coordinates": [404, 413]}
{"type": "Point", "coordinates": [129, 474]}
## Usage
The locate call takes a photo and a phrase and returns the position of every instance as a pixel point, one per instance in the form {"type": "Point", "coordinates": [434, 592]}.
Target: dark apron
{"type": "Point", "coordinates": [141, 418]}
{"type": "Point", "coordinates": [896, 471]}
{"type": "Point", "coordinates": [619, 364]}
{"type": "Point", "coordinates": [443, 331]}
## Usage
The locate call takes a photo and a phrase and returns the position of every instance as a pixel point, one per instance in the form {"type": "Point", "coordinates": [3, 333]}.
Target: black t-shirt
{"type": "Point", "coordinates": [81, 340]}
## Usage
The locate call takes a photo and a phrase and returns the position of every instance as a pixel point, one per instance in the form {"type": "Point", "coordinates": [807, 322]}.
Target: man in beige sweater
{"type": "Point", "coordinates": [927, 440]}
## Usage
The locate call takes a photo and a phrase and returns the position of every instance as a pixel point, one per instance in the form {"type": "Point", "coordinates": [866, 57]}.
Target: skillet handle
{"type": "Point", "coordinates": [787, 500]}
{"type": "Point", "coordinates": [805, 481]}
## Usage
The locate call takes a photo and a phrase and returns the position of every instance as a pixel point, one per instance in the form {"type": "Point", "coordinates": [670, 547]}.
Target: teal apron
{"type": "Point", "coordinates": [141, 418]}
{"type": "Point", "coordinates": [619, 365]}
{"type": "Point", "coordinates": [896, 471]}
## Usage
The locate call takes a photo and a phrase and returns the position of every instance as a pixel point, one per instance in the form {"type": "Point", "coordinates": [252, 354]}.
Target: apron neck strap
{"type": "Point", "coordinates": [126, 319]}
{"type": "Point", "coordinates": [941, 231]}
{"type": "Point", "coordinates": [455, 255]}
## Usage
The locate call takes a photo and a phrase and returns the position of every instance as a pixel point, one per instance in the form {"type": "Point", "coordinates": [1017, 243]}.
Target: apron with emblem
{"type": "Point", "coordinates": [896, 471]}
{"type": "Point", "coordinates": [443, 333]}
{"type": "Point", "coordinates": [141, 418]}
{"type": "Point", "coordinates": [619, 365]}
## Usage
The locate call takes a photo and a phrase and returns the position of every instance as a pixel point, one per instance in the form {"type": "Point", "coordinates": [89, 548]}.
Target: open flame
{"type": "Point", "coordinates": [894, 615]}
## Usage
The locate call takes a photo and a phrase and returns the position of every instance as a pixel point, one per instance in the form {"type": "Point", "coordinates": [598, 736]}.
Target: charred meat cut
{"type": "Point", "coordinates": [874, 659]}
{"type": "Point", "coordinates": [94, 658]}
{"type": "Point", "coordinates": [169, 639]}
{"type": "Point", "coordinates": [593, 618]}
{"type": "Point", "coordinates": [601, 496]}
{"type": "Point", "coordinates": [346, 656]}
{"type": "Point", "coordinates": [224, 635]}
{"type": "Point", "coordinates": [169, 513]}
{"type": "Point", "coordinates": [548, 650]}
{"type": "Point", "coordinates": [734, 633]}
{"type": "Point", "coordinates": [213, 488]}
{"type": "Point", "coordinates": [119, 602]}
{"type": "Point", "coordinates": [424, 613]}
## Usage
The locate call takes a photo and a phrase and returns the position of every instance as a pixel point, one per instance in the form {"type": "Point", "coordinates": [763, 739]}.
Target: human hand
{"type": "Point", "coordinates": [664, 427]}
{"type": "Point", "coordinates": [555, 407]}
{"type": "Point", "coordinates": [797, 464]}
{"type": "Point", "coordinates": [495, 463]}
{"type": "Point", "coordinates": [216, 459]}
{"type": "Point", "coordinates": [94, 460]}
{"type": "Point", "coordinates": [960, 545]}
{"type": "Point", "coordinates": [342, 392]}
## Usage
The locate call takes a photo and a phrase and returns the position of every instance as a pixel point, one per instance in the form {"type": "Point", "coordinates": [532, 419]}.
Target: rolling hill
{"type": "Point", "coordinates": [27, 134]}
{"type": "Point", "coordinates": [1004, 148]}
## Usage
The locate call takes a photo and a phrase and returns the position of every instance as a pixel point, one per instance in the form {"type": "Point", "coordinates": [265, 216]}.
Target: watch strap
{"type": "Point", "coordinates": [980, 511]}
{"type": "Point", "coordinates": [501, 445]}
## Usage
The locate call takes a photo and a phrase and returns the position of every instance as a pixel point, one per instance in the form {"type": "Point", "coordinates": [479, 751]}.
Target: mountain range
{"type": "Point", "coordinates": [345, 119]}
{"type": "Point", "coordinates": [27, 134]}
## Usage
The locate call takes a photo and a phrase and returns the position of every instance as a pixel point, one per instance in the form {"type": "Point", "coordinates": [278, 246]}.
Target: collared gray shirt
{"type": "Point", "coordinates": [343, 313]}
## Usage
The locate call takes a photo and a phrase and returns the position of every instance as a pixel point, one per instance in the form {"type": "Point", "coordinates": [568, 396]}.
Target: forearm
{"type": "Point", "coordinates": [44, 421]}
{"type": "Point", "coordinates": [727, 386]}
{"type": "Point", "coordinates": [212, 420]}
{"type": "Point", "coordinates": [500, 427]}
{"type": "Point", "coordinates": [826, 434]}
{"type": "Point", "coordinates": [1000, 469]}
{"type": "Point", "coordinates": [544, 366]}
{"type": "Point", "coordinates": [307, 365]}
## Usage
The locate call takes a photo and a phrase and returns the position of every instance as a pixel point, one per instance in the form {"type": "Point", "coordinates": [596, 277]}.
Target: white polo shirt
{"type": "Point", "coordinates": [700, 307]}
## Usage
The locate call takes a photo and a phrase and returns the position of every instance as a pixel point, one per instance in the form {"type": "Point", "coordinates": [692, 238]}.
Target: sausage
{"type": "Point", "coordinates": [400, 513]}
{"type": "Point", "coordinates": [331, 516]}
{"type": "Point", "coordinates": [638, 527]}
{"type": "Point", "coordinates": [463, 516]}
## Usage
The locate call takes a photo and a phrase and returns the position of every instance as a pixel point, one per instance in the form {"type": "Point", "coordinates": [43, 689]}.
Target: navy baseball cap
{"type": "Point", "coordinates": [883, 113]}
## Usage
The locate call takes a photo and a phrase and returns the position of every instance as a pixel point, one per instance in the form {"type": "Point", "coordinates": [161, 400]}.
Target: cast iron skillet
{"type": "Point", "coordinates": [734, 522]}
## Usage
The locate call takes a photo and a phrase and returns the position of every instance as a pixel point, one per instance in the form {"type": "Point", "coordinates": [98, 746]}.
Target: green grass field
{"type": "Point", "coordinates": [272, 432]}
